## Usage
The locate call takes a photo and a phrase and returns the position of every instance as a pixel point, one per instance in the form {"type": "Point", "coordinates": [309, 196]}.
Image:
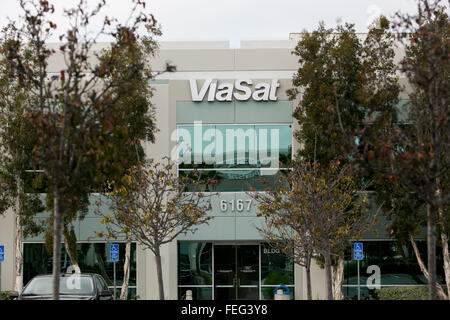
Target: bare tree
{"type": "Point", "coordinates": [78, 117]}
{"type": "Point", "coordinates": [153, 205]}
{"type": "Point", "coordinates": [289, 237]}
{"type": "Point", "coordinates": [314, 211]}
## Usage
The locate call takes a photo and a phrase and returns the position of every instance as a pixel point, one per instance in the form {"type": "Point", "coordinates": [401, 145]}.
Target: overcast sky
{"type": "Point", "coordinates": [236, 20]}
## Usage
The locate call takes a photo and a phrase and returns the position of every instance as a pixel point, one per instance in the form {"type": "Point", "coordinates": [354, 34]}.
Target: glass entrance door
{"type": "Point", "coordinates": [236, 272]}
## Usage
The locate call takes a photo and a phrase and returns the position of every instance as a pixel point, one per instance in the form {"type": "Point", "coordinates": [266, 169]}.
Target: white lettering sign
{"type": "Point", "coordinates": [240, 90]}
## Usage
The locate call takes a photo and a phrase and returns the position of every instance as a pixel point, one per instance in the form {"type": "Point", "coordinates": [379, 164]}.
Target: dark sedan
{"type": "Point", "coordinates": [71, 287]}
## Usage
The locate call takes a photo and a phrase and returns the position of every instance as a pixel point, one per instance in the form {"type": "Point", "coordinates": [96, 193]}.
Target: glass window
{"type": "Point", "coordinates": [92, 258]}
{"type": "Point", "coordinates": [268, 293]}
{"type": "Point", "coordinates": [234, 158]}
{"type": "Point", "coordinates": [398, 264]}
{"type": "Point", "coordinates": [198, 293]}
{"type": "Point", "coordinates": [274, 144]}
{"type": "Point", "coordinates": [194, 263]}
{"type": "Point", "coordinates": [75, 284]}
{"type": "Point", "coordinates": [197, 146]}
{"type": "Point", "coordinates": [276, 267]}
{"type": "Point", "coordinates": [234, 146]}
{"type": "Point", "coordinates": [101, 285]}
{"type": "Point", "coordinates": [235, 180]}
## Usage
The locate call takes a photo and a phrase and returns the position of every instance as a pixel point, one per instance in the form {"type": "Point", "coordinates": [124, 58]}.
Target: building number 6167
{"type": "Point", "coordinates": [236, 205]}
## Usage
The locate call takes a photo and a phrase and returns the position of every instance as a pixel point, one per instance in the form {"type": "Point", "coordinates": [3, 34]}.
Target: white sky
{"type": "Point", "coordinates": [236, 20]}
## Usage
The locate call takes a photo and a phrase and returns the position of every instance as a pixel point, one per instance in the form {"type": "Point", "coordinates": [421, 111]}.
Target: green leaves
{"type": "Point", "coordinates": [343, 81]}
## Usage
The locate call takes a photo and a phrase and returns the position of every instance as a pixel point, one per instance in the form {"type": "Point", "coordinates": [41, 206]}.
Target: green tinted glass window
{"type": "Point", "coordinates": [234, 146]}
{"type": "Point", "coordinates": [194, 263]}
{"type": "Point", "coordinates": [92, 258]}
{"type": "Point", "coordinates": [235, 180]}
{"type": "Point", "coordinates": [398, 264]}
{"type": "Point", "coordinates": [276, 267]}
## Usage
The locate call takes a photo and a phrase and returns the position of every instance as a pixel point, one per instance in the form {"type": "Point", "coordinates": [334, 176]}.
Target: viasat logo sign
{"type": "Point", "coordinates": [241, 90]}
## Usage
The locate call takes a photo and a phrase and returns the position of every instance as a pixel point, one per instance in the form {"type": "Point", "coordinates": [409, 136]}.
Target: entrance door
{"type": "Point", "coordinates": [236, 272]}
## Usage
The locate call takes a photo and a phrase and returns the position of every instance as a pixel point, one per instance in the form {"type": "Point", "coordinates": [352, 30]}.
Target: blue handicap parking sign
{"type": "Point", "coordinates": [114, 252]}
{"type": "Point", "coordinates": [2, 253]}
{"type": "Point", "coordinates": [358, 253]}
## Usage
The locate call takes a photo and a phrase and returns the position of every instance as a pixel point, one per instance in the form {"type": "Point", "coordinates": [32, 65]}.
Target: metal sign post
{"type": "Point", "coordinates": [2, 259]}
{"type": "Point", "coordinates": [114, 257]}
{"type": "Point", "coordinates": [359, 285]}
{"type": "Point", "coordinates": [358, 255]}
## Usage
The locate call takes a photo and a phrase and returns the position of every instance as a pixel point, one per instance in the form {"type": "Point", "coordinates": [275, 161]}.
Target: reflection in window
{"type": "Point", "coordinates": [234, 146]}
{"type": "Point", "coordinates": [268, 293]}
{"type": "Point", "coordinates": [198, 293]}
{"type": "Point", "coordinates": [235, 180]}
{"type": "Point", "coordinates": [195, 270]}
{"type": "Point", "coordinates": [397, 263]}
{"type": "Point", "coordinates": [93, 258]}
{"type": "Point", "coordinates": [194, 263]}
{"type": "Point", "coordinates": [276, 269]}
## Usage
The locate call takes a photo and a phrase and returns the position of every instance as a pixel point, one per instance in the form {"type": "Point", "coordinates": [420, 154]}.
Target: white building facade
{"type": "Point", "coordinates": [225, 113]}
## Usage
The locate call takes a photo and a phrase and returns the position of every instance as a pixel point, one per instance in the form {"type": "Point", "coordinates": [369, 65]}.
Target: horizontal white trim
{"type": "Point", "coordinates": [251, 74]}
{"type": "Point", "coordinates": [386, 285]}
{"type": "Point", "coordinates": [209, 124]}
{"type": "Point", "coordinates": [231, 169]}
{"type": "Point", "coordinates": [194, 286]}
{"type": "Point", "coordinates": [82, 241]}
{"type": "Point", "coordinates": [277, 285]}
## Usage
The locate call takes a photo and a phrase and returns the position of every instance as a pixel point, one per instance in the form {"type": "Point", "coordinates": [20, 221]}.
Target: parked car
{"type": "Point", "coordinates": [86, 286]}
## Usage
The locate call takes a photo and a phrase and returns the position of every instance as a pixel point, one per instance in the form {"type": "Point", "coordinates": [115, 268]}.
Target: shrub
{"type": "Point", "coordinates": [403, 293]}
{"type": "Point", "coordinates": [4, 295]}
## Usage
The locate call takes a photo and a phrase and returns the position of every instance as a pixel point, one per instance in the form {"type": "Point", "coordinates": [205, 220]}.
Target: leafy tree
{"type": "Point", "coordinates": [282, 230]}
{"type": "Point", "coordinates": [317, 211]}
{"type": "Point", "coordinates": [132, 61]}
{"type": "Point", "coordinates": [17, 139]}
{"type": "Point", "coordinates": [151, 203]}
{"type": "Point", "coordinates": [343, 81]}
{"type": "Point", "coordinates": [416, 155]}
{"type": "Point", "coordinates": [79, 114]}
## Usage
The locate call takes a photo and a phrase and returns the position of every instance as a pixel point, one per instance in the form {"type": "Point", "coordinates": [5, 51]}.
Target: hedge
{"type": "Point", "coordinates": [402, 293]}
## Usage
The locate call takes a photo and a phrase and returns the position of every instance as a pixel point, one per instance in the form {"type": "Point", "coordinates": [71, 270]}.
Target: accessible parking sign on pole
{"type": "Point", "coordinates": [358, 254]}
{"type": "Point", "coordinates": [114, 257]}
{"type": "Point", "coordinates": [2, 259]}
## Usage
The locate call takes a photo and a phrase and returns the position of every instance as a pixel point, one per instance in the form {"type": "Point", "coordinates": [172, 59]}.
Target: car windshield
{"type": "Point", "coordinates": [68, 285]}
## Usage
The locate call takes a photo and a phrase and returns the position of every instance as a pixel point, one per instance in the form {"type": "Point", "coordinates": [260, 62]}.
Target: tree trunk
{"type": "Point", "coordinates": [73, 261]}
{"type": "Point", "coordinates": [159, 273]}
{"type": "Point", "coordinates": [57, 228]}
{"type": "Point", "coordinates": [440, 292]}
{"type": "Point", "coordinates": [308, 279]}
{"type": "Point", "coordinates": [126, 268]}
{"type": "Point", "coordinates": [101, 266]}
{"type": "Point", "coordinates": [18, 283]}
{"type": "Point", "coordinates": [445, 252]}
{"type": "Point", "coordinates": [431, 248]}
{"type": "Point", "coordinates": [329, 281]}
{"type": "Point", "coordinates": [446, 255]}
{"type": "Point", "coordinates": [338, 279]}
